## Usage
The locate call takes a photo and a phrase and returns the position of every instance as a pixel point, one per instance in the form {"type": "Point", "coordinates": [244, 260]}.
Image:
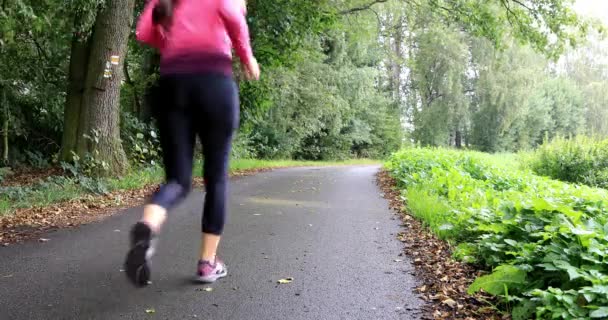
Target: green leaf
{"type": "Point", "coordinates": [524, 311]}
{"type": "Point", "coordinates": [602, 312]}
{"type": "Point", "coordinates": [572, 271]}
{"type": "Point", "coordinates": [505, 276]}
{"type": "Point", "coordinates": [446, 227]}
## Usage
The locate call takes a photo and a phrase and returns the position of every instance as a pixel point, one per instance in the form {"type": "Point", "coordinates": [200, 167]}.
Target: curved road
{"type": "Point", "coordinates": [328, 228]}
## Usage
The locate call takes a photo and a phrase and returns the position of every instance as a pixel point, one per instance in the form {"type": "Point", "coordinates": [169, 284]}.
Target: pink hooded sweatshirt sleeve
{"type": "Point", "coordinates": [201, 37]}
{"type": "Point", "coordinates": [234, 13]}
{"type": "Point", "coordinates": [147, 32]}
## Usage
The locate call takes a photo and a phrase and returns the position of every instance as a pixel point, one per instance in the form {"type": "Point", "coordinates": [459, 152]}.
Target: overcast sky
{"type": "Point", "coordinates": [593, 8]}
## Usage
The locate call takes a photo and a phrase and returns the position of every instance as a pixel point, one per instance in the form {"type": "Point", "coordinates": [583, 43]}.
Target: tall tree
{"type": "Point", "coordinates": [96, 105]}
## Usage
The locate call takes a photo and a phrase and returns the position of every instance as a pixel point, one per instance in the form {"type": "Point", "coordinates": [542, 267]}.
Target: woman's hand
{"type": "Point", "coordinates": [252, 69]}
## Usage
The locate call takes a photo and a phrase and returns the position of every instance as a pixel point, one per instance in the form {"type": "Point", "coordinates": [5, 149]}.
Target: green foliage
{"type": "Point", "coordinates": [141, 141]}
{"type": "Point", "coordinates": [4, 172]}
{"type": "Point", "coordinates": [580, 160]}
{"type": "Point", "coordinates": [330, 107]}
{"type": "Point", "coordinates": [503, 279]}
{"type": "Point", "coordinates": [552, 234]}
{"type": "Point", "coordinates": [547, 25]}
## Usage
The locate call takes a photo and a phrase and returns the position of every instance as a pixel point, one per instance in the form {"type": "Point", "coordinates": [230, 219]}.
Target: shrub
{"type": "Point", "coordinates": [580, 160]}
{"type": "Point", "coordinates": [545, 241]}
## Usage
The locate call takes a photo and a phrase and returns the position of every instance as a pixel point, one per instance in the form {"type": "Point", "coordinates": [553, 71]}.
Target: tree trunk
{"type": "Point", "coordinates": [5, 127]}
{"type": "Point", "coordinates": [136, 108]}
{"type": "Point", "coordinates": [72, 112]}
{"type": "Point", "coordinates": [151, 65]}
{"type": "Point", "coordinates": [458, 139]}
{"type": "Point", "coordinates": [101, 101]}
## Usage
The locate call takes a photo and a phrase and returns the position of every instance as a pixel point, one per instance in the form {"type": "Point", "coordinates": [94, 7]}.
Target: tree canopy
{"type": "Point", "coordinates": [340, 79]}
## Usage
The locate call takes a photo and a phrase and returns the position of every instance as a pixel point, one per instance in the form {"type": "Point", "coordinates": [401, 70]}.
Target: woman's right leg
{"type": "Point", "coordinates": [177, 136]}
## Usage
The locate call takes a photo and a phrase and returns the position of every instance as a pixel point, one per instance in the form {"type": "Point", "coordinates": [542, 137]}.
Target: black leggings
{"type": "Point", "coordinates": [185, 106]}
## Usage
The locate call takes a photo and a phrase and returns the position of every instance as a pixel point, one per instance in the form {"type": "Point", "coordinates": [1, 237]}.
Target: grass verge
{"type": "Point", "coordinates": [55, 190]}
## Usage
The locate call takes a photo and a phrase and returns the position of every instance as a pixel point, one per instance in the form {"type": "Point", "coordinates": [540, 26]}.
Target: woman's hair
{"type": "Point", "coordinates": [163, 12]}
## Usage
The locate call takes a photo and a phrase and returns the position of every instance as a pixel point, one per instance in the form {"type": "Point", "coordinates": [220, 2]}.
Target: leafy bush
{"type": "Point", "coordinates": [241, 147]}
{"type": "Point", "coordinates": [141, 141]}
{"type": "Point", "coordinates": [545, 240]}
{"type": "Point", "coordinates": [580, 160]}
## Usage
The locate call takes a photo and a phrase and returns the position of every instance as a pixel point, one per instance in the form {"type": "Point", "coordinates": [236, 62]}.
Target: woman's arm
{"type": "Point", "coordinates": [147, 32]}
{"type": "Point", "coordinates": [234, 16]}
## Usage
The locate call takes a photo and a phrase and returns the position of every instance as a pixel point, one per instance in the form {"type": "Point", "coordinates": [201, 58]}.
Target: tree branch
{"type": "Point", "coordinates": [362, 8]}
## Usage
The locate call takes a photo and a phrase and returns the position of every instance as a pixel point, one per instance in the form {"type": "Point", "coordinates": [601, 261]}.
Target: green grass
{"type": "Point", "coordinates": [137, 179]}
{"type": "Point", "coordinates": [431, 209]}
{"type": "Point", "coordinates": [52, 192]}
{"type": "Point", "coordinates": [245, 164]}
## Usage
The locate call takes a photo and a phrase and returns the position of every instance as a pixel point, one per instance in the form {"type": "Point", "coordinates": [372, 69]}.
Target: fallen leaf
{"type": "Point", "coordinates": [449, 302]}
{"type": "Point", "coordinates": [286, 280]}
{"type": "Point", "coordinates": [206, 289]}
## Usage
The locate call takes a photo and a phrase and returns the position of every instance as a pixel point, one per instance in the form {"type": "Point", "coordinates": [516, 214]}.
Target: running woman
{"type": "Point", "coordinates": [197, 97]}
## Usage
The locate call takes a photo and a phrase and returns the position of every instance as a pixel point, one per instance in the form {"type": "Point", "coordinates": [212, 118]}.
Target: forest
{"type": "Point", "coordinates": [341, 79]}
{"type": "Point", "coordinates": [491, 117]}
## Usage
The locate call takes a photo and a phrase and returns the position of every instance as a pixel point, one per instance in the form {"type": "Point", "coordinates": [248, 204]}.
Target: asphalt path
{"type": "Point", "coordinates": [327, 228]}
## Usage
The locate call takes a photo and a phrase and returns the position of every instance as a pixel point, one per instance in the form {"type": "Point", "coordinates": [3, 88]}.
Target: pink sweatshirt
{"type": "Point", "coordinates": [201, 37]}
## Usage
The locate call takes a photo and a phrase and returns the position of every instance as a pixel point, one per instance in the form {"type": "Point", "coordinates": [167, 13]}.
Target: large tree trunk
{"type": "Point", "coordinates": [103, 82]}
{"type": "Point", "coordinates": [92, 111]}
{"type": "Point", "coordinates": [72, 112]}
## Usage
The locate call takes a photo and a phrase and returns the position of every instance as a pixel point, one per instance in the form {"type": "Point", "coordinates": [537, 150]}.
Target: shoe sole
{"type": "Point", "coordinates": [136, 264]}
{"type": "Point", "coordinates": [212, 278]}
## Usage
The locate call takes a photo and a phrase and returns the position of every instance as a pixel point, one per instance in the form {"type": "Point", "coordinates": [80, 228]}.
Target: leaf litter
{"type": "Point", "coordinates": [444, 281]}
{"type": "Point", "coordinates": [30, 223]}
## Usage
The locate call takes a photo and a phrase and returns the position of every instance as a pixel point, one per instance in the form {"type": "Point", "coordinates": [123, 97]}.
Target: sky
{"type": "Point", "coordinates": [593, 8]}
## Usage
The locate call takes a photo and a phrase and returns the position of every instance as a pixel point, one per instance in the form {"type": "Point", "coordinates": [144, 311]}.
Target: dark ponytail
{"type": "Point", "coordinates": [163, 12]}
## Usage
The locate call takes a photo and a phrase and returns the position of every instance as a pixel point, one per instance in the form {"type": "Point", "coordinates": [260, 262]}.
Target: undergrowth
{"type": "Point", "coordinates": [545, 241]}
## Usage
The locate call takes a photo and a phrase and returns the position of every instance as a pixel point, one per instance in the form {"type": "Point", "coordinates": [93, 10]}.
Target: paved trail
{"type": "Point", "coordinates": [328, 228]}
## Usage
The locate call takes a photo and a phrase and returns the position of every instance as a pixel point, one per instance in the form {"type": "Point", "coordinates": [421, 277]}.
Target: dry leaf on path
{"type": "Point", "coordinates": [285, 281]}
{"type": "Point", "coordinates": [206, 289]}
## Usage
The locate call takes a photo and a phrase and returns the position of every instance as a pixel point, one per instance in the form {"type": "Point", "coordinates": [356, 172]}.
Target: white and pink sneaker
{"type": "Point", "coordinates": [210, 272]}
